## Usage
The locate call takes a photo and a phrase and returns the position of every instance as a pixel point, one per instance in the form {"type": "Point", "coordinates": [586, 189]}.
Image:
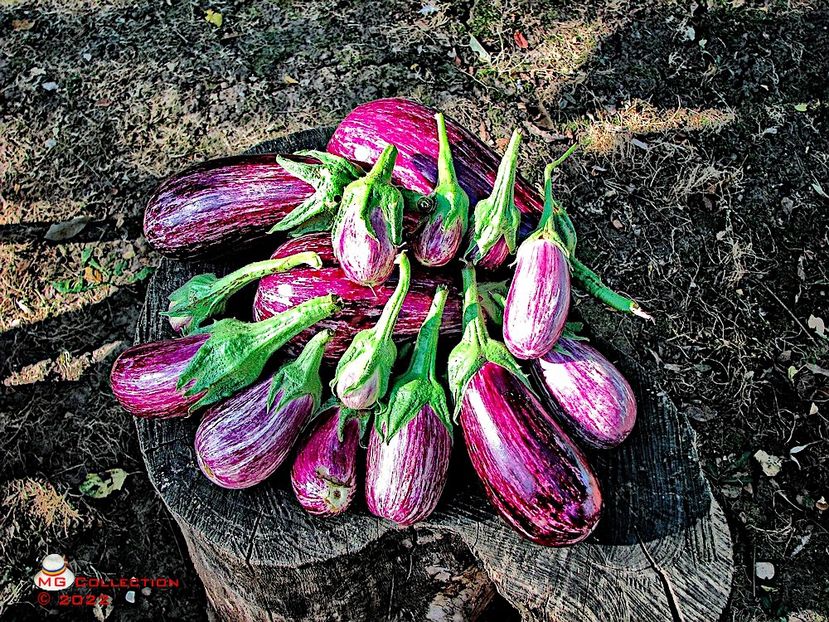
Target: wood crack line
{"type": "Point", "coordinates": [253, 531]}
{"type": "Point", "coordinates": [673, 603]}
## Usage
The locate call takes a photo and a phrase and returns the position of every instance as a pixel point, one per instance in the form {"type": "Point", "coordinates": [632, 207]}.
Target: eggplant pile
{"type": "Point", "coordinates": [410, 240]}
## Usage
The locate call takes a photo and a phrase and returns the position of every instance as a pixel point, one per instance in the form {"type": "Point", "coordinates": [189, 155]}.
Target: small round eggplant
{"type": "Point", "coordinates": [240, 442]}
{"type": "Point", "coordinates": [324, 474]}
{"type": "Point", "coordinates": [534, 475]}
{"type": "Point", "coordinates": [539, 299]}
{"type": "Point", "coordinates": [590, 395]}
{"type": "Point", "coordinates": [406, 476]}
{"type": "Point", "coordinates": [144, 377]}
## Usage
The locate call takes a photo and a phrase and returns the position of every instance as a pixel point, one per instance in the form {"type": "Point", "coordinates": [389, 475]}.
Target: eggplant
{"type": "Point", "coordinates": [324, 473]}
{"type": "Point", "coordinates": [368, 226]}
{"type": "Point", "coordinates": [362, 375]}
{"type": "Point", "coordinates": [533, 473]}
{"type": "Point", "coordinates": [361, 306]}
{"type": "Point", "coordinates": [538, 301]}
{"type": "Point", "coordinates": [144, 378]}
{"type": "Point", "coordinates": [409, 126]}
{"type": "Point", "coordinates": [205, 295]}
{"type": "Point", "coordinates": [241, 441]}
{"type": "Point", "coordinates": [442, 230]}
{"type": "Point", "coordinates": [209, 366]}
{"type": "Point", "coordinates": [215, 206]}
{"type": "Point", "coordinates": [410, 444]}
{"type": "Point", "coordinates": [589, 395]}
{"type": "Point", "coordinates": [496, 217]}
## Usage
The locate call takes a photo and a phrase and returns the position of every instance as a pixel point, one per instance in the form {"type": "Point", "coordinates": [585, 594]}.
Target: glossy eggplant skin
{"type": "Point", "coordinates": [361, 306]}
{"type": "Point", "coordinates": [215, 206]}
{"type": "Point", "coordinates": [588, 393]}
{"type": "Point", "coordinates": [534, 475]}
{"type": "Point", "coordinates": [538, 300]}
{"type": "Point", "coordinates": [410, 127]}
{"type": "Point", "coordinates": [240, 443]}
{"type": "Point", "coordinates": [406, 476]}
{"type": "Point", "coordinates": [144, 377]}
{"type": "Point", "coordinates": [324, 473]}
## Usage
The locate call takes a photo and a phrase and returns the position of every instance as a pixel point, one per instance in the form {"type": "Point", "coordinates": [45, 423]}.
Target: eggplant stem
{"type": "Point", "coordinates": [385, 325]}
{"type": "Point", "coordinates": [237, 279]}
{"type": "Point", "coordinates": [425, 349]}
{"type": "Point", "coordinates": [594, 285]}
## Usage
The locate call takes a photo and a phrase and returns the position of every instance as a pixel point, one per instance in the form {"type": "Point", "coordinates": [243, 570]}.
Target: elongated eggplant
{"type": "Point", "coordinates": [589, 395]}
{"type": "Point", "coordinates": [410, 444]}
{"type": "Point", "coordinates": [361, 306]}
{"type": "Point", "coordinates": [368, 226]}
{"type": "Point", "coordinates": [217, 205]}
{"type": "Point", "coordinates": [409, 126]}
{"type": "Point", "coordinates": [324, 474]}
{"type": "Point", "coordinates": [241, 441]}
{"type": "Point", "coordinates": [362, 375]}
{"type": "Point", "coordinates": [539, 296]}
{"type": "Point", "coordinates": [440, 235]}
{"type": "Point", "coordinates": [209, 366]}
{"type": "Point", "coordinates": [534, 475]}
{"type": "Point", "coordinates": [144, 378]}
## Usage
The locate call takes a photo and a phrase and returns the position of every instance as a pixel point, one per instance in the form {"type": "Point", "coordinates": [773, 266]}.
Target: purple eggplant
{"type": "Point", "coordinates": [368, 226]}
{"type": "Point", "coordinates": [324, 474]}
{"type": "Point", "coordinates": [362, 375]}
{"type": "Point", "coordinates": [536, 477]}
{"type": "Point", "coordinates": [496, 217]}
{"type": "Point", "coordinates": [410, 444]}
{"type": "Point", "coordinates": [539, 297]}
{"type": "Point", "coordinates": [144, 378]}
{"type": "Point", "coordinates": [592, 398]}
{"type": "Point", "coordinates": [361, 306]}
{"type": "Point", "coordinates": [204, 295]}
{"type": "Point", "coordinates": [409, 126]}
{"type": "Point", "coordinates": [209, 366]}
{"type": "Point", "coordinates": [241, 441]}
{"type": "Point", "coordinates": [439, 238]}
{"type": "Point", "coordinates": [213, 207]}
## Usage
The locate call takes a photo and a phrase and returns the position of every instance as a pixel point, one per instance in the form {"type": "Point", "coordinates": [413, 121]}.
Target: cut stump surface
{"type": "Point", "coordinates": [662, 550]}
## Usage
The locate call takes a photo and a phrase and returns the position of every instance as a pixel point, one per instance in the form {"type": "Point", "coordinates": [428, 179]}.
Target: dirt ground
{"type": "Point", "coordinates": [704, 190]}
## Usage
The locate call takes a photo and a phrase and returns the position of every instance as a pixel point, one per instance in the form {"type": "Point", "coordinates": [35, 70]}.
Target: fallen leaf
{"type": "Point", "coordinates": [639, 143]}
{"type": "Point", "coordinates": [91, 275]}
{"type": "Point", "coordinates": [520, 40]}
{"type": "Point", "coordinates": [288, 79]}
{"type": "Point", "coordinates": [819, 189]}
{"type": "Point", "coordinates": [804, 540]}
{"type": "Point", "coordinates": [689, 34]}
{"type": "Point", "coordinates": [801, 107]}
{"type": "Point", "coordinates": [428, 9]}
{"type": "Point", "coordinates": [817, 324]}
{"type": "Point", "coordinates": [22, 24]}
{"type": "Point", "coordinates": [821, 505]}
{"type": "Point", "coordinates": [817, 369]}
{"type": "Point", "coordinates": [61, 231]}
{"type": "Point", "coordinates": [764, 570]}
{"type": "Point", "coordinates": [101, 485]}
{"type": "Point", "coordinates": [213, 17]}
{"type": "Point", "coordinates": [770, 464]}
{"type": "Point", "coordinates": [479, 49]}
{"type": "Point", "coordinates": [813, 410]}
{"type": "Point", "coordinates": [50, 86]}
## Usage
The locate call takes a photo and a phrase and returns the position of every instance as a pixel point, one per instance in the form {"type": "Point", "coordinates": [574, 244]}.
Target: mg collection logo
{"type": "Point", "coordinates": [55, 574]}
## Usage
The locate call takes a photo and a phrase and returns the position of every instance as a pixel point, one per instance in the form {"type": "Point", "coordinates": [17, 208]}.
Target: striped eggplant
{"type": "Point", "coordinates": [211, 208]}
{"type": "Point", "coordinates": [439, 237]}
{"type": "Point", "coordinates": [534, 475]}
{"type": "Point", "coordinates": [409, 126]}
{"type": "Point", "coordinates": [410, 444]}
{"type": "Point", "coordinates": [496, 217]}
{"type": "Point", "coordinates": [362, 375]}
{"type": "Point", "coordinates": [361, 306]}
{"type": "Point", "coordinates": [587, 392]}
{"type": "Point", "coordinates": [538, 301]}
{"type": "Point", "coordinates": [241, 441]}
{"type": "Point", "coordinates": [205, 295]}
{"type": "Point", "coordinates": [324, 473]}
{"type": "Point", "coordinates": [368, 226]}
{"type": "Point", "coordinates": [144, 378]}
{"type": "Point", "coordinates": [173, 378]}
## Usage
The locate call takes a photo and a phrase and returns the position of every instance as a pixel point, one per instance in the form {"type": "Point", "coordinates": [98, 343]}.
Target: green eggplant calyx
{"type": "Point", "coordinates": [205, 296]}
{"type": "Point", "coordinates": [236, 352]}
{"type": "Point", "coordinates": [301, 376]}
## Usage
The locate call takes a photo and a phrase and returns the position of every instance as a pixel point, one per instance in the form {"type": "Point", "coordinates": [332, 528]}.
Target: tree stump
{"type": "Point", "coordinates": [662, 550]}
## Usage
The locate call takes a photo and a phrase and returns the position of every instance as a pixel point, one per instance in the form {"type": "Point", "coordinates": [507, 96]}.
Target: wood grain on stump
{"type": "Point", "coordinates": [662, 550]}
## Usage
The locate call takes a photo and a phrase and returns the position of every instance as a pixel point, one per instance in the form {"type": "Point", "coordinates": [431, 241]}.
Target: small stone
{"type": "Point", "coordinates": [146, 591]}
{"type": "Point", "coordinates": [764, 570]}
{"type": "Point", "coordinates": [50, 86]}
{"type": "Point", "coordinates": [130, 596]}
